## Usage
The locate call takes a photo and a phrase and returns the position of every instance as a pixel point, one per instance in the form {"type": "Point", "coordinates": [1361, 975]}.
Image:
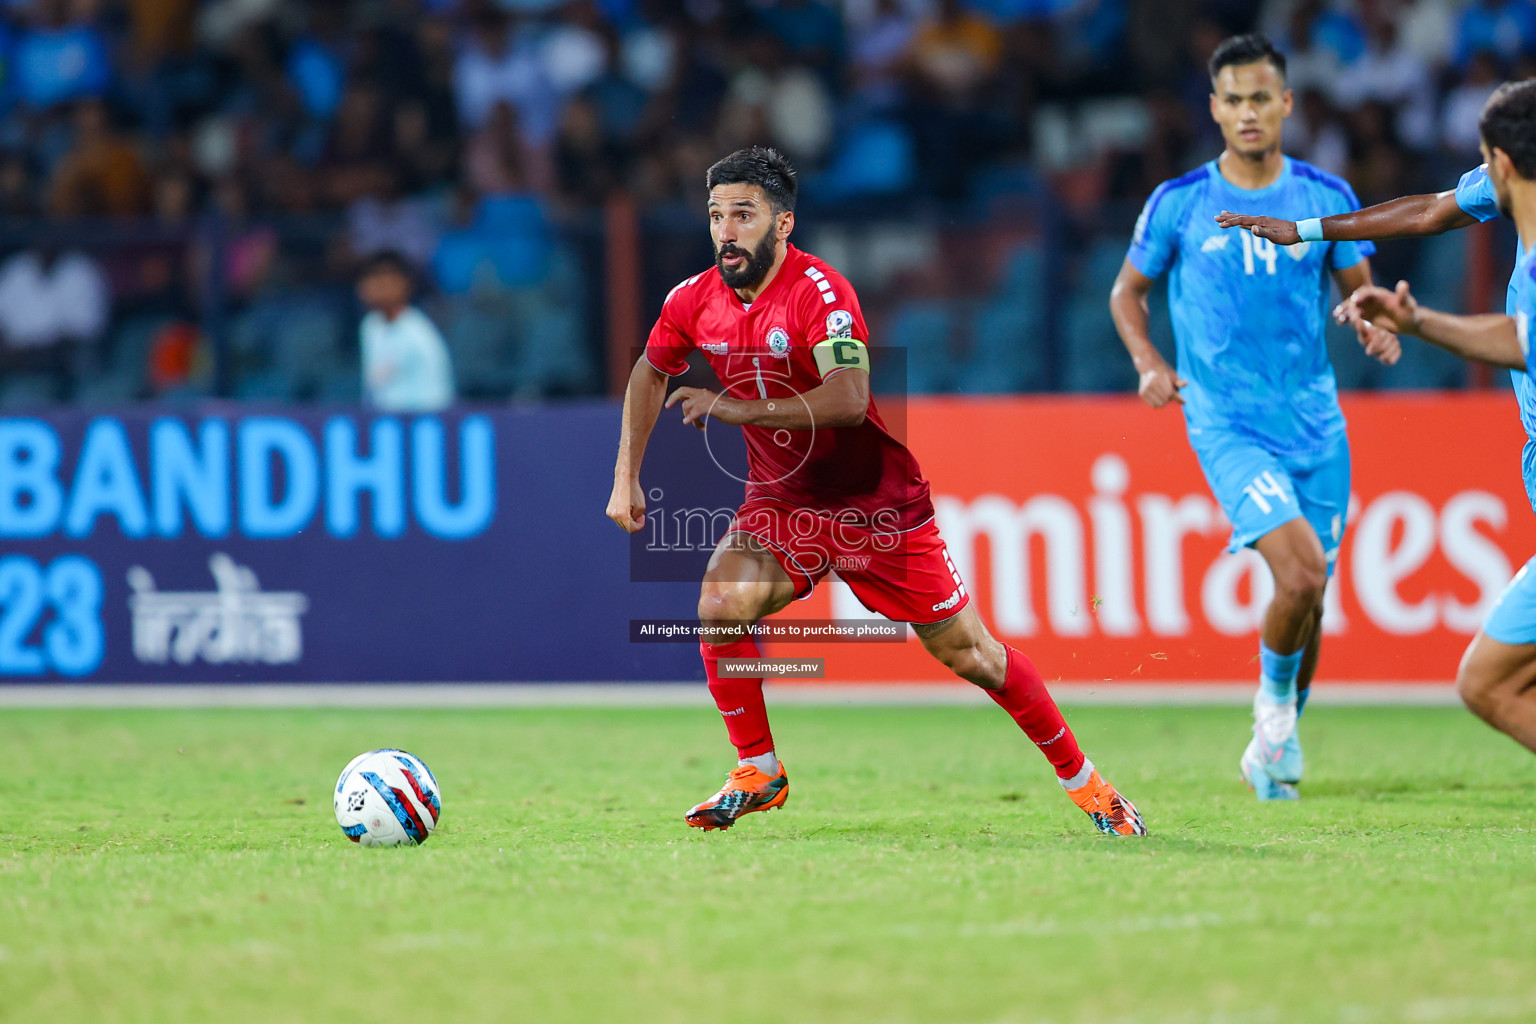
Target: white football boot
{"type": "Point", "coordinates": [1271, 765]}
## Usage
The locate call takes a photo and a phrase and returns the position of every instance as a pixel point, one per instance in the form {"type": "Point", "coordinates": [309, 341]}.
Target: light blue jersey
{"type": "Point", "coordinates": [1249, 315]}
{"type": "Point", "coordinates": [1513, 618]}
{"type": "Point", "coordinates": [1475, 196]}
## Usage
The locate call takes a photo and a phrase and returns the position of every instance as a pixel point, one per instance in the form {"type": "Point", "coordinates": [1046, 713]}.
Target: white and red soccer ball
{"type": "Point", "coordinates": [387, 798]}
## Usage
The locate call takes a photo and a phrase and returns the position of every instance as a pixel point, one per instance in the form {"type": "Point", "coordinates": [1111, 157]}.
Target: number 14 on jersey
{"type": "Point", "coordinates": [1258, 250]}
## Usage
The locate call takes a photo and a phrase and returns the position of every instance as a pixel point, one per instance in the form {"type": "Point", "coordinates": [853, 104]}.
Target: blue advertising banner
{"type": "Point", "coordinates": [228, 544]}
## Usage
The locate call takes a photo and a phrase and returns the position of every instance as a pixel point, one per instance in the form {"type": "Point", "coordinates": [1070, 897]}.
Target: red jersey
{"type": "Point", "coordinates": [784, 344]}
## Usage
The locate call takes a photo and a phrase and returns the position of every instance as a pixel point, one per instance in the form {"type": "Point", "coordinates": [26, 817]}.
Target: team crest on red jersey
{"type": "Point", "coordinates": [778, 342]}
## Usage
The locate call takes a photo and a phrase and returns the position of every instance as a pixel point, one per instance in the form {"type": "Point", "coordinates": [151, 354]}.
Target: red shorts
{"type": "Point", "coordinates": [907, 577]}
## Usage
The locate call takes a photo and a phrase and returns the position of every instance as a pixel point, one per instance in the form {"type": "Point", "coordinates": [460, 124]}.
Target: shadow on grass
{"type": "Point", "coordinates": [888, 837]}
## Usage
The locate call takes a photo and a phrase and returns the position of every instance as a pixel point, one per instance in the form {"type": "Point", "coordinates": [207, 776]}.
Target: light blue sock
{"type": "Point", "coordinates": [1301, 699]}
{"type": "Point", "coordinates": [1277, 673]}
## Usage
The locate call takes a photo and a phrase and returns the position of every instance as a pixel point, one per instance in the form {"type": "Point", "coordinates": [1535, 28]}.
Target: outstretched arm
{"type": "Point", "coordinates": [1489, 337]}
{"type": "Point", "coordinates": [1379, 343]}
{"type": "Point", "coordinates": [642, 404]}
{"type": "Point", "coordinates": [1158, 382]}
{"type": "Point", "coordinates": [1408, 217]}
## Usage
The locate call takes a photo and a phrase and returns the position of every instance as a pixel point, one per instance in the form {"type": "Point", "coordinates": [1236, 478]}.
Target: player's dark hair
{"type": "Point", "coordinates": [1509, 123]}
{"type": "Point", "coordinates": [387, 261]}
{"type": "Point", "coordinates": [762, 166]}
{"type": "Point", "coordinates": [1246, 49]}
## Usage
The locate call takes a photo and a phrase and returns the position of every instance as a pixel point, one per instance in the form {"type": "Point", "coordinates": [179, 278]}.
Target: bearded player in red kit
{"type": "Point", "coordinates": [827, 485]}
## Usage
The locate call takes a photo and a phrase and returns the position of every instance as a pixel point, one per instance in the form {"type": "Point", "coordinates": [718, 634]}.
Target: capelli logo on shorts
{"type": "Point", "coordinates": [948, 603]}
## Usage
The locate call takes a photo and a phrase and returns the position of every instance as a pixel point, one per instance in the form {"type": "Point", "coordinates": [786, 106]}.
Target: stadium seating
{"type": "Point", "coordinates": [923, 328]}
{"type": "Point", "coordinates": [874, 158]}
{"type": "Point", "coordinates": [1008, 344]}
{"type": "Point", "coordinates": [26, 392]}
{"type": "Point", "coordinates": [1093, 359]}
{"type": "Point", "coordinates": [1438, 281]}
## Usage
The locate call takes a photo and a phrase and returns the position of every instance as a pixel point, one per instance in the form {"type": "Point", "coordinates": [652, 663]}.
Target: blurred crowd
{"type": "Point", "coordinates": [189, 188]}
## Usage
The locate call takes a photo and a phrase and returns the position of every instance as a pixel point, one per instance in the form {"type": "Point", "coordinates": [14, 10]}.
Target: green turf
{"type": "Point", "coordinates": [183, 866]}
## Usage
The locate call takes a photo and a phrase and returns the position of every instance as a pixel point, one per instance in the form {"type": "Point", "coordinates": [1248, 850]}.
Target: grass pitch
{"type": "Point", "coordinates": [183, 866]}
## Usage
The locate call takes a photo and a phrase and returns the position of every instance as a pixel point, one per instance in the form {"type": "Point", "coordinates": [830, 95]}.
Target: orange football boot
{"type": "Point", "coordinates": [746, 789]}
{"type": "Point", "coordinates": [1112, 813]}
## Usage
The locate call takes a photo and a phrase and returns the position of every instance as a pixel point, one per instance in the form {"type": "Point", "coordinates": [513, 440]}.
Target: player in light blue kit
{"type": "Point", "coordinates": [1497, 677]}
{"type": "Point", "coordinates": [1470, 202]}
{"type": "Point", "coordinates": [1259, 397]}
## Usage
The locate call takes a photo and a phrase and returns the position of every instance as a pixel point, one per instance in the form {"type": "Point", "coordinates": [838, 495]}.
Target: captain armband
{"type": "Point", "coordinates": [839, 354]}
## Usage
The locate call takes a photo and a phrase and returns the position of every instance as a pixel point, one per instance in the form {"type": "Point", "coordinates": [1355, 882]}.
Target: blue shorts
{"type": "Point", "coordinates": [1260, 491]}
{"type": "Point", "coordinates": [1513, 618]}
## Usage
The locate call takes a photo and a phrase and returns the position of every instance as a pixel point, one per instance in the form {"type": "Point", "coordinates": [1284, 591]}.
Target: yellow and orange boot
{"type": "Point", "coordinates": [746, 789]}
{"type": "Point", "coordinates": [1112, 813]}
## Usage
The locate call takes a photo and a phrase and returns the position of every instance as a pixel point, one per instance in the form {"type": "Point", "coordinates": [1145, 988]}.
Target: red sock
{"type": "Point", "coordinates": [740, 700]}
{"type": "Point", "coordinates": [1025, 697]}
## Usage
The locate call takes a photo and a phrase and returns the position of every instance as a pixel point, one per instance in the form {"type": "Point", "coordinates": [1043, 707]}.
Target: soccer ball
{"type": "Point", "coordinates": [387, 798]}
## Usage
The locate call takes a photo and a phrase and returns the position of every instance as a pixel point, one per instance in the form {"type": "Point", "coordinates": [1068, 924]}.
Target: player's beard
{"type": "Point", "coordinates": [754, 265]}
